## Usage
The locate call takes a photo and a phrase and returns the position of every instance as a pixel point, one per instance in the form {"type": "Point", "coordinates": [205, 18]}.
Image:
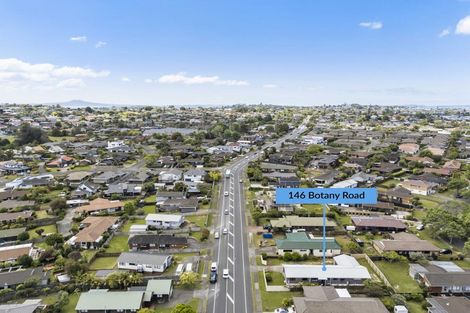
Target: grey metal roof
{"type": "Point", "coordinates": [142, 258]}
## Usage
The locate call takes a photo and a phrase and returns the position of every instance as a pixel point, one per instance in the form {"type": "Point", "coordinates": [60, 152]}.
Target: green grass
{"type": "Point", "coordinates": [198, 220]}
{"type": "Point", "coordinates": [426, 235]}
{"type": "Point", "coordinates": [465, 264]}
{"type": "Point", "coordinates": [415, 307]}
{"type": "Point", "coordinates": [149, 209]}
{"type": "Point", "coordinates": [389, 183]}
{"type": "Point", "coordinates": [70, 306]}
{"type": "Point", "coordinates": [88, 254]}
{"type": "Point", "coordinates": [194, 303]}
{"type": "Point", "coordinates": [277, 279]}
{"type": "Point", "coordinates": [273, 300]}
{"type": "Point", "coordinates": [197, 235]}
{"type": "Point", "coordinates": [314, 209]}
{"type": "Point", "coordinates": [105, 263]}
{"type": "Point", "coordinates": [42, 214]}
{"type": "Point", "coordinates": [152, 198]}
{"type": "Point", "coordinates": [118, 244]}
{"type": "Point", "coordinates": [127, 225]}
{"type": "Point", "coordinates": [48, 229]}
{"type": "Point", "coordinates": [428, 203]}
{"type": "Point", "coordinates": [397, 275]}
{"type": "Point", "coordinates": [49, 299]}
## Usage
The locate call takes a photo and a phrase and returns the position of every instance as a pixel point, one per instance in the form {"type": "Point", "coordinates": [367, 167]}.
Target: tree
{"type": "Point", "coordinates": [25, 260]}
{"type": "Point", "coordinates": [180, 186]}
{"type": "Point", "coordinates": [189, 279]}
{"type": "Point", "coordinates": [204, 234]}
{"type": "Point", "coordinates": [287, 302]}
{"type": "Point", "coordinates": [58, 205]}
{"type": "Point", "coordinates": [74, 268]}
{"type": "Point", "coordinates": [146, 310]}
{"type": "Point", "coordinates": [23, 236]}
{"type": "Point", "coordinates": [39, 231]}
{"type": "Point", "coordinates": [466, 247]}
{"type": "Point", "coordinates": [214, 176]}
{"type": "Point", "coordinates": [54, 239]}
{"type": "Point", "coordinates": [28, 134]}
{"type": "Point", "coordinates": [130, 207]}
{"type": "Point", "coordinates": [183, 308]}
{"type": "Point", "coordinates": [457, 183]}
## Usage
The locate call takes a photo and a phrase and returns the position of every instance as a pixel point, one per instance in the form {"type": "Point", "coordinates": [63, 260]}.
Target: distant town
{"type": "Point", "coordinates": [173, 209]}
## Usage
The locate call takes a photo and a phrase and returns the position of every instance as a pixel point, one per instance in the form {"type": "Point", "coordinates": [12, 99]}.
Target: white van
{"type": "Point", "coordinates": [189, 267]}
{"type": "Point", "coordinates": [179, 269]}
{"type": "Point", "coordinates": [214, 267]}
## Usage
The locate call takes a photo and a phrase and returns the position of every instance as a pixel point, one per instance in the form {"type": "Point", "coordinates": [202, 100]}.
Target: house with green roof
{"type": "Point", "coordinates": [301, 243]}
{"type": "Point", "coordinates": [102, 300]}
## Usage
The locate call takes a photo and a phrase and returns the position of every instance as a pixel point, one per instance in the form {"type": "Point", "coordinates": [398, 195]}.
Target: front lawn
{"type": "Point", "coordinates": [149, 209]}
{"type": "Point", "coordinates": [277, 279]}
{"type": "Point", "coordinates": [194, 303]}
{"type": "Point", "coordinates": [42, 214]}
{"type": "Point", "coordinates": [198, 220]}
{"type": "Point", "coordinates": [105, 263]}
{"type": "Point", "coordinates": [118, 244]}
{"type": "Point", "coordinates": [397, 275]}
{"type": "Point", "coordinates": [48, 229]}
{"type": "Point", "coordinates": [273, 300]}
{"type": "Point", "coordinates": [129, 223]}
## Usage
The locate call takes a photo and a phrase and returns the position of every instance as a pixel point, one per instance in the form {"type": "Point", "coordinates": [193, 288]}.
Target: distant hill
{"type": "Point", "coordinates": [84, 104]}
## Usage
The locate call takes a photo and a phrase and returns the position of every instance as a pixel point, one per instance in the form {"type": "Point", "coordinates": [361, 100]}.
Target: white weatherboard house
{"type": "Point", "coordinates": [164, 220]}
{"type": "Point", "coordinates": [144, 262]}
{"type": "Point", "coordinates": [346, 272]}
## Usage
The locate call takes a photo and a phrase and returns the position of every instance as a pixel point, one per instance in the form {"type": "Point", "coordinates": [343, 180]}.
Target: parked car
{"type": "Point", "coordinates": [216, 235]}
{"type": "Point", "coordinates": [213, 278]}
{"type": "Point", "coordinates": [446, 251]}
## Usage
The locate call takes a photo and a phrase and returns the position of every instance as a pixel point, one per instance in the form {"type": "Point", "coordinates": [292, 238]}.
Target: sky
{"type": "Point", "coordinates": [284, 52]}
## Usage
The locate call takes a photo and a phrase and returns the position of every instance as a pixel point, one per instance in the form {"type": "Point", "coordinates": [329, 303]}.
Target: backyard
{"type": "Point", "coordinates": [118, 244]}
{"type": "Point", "coordinates": [104, 263]}
{"type": "Point", "coordinates": [397, 275]}
{"type": "Point", "coordinates": [273, 300]}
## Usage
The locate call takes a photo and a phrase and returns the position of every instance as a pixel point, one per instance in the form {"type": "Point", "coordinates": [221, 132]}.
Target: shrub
{"type": "Point", "coordinates": [269, 277]}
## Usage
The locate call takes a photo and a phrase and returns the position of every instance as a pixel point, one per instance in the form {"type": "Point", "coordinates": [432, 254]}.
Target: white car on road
{"type": "Point", "coordinates": [216, 235]}
{"type": "Point", "coordinates": [226, 193]}
{"type": "Point", "coordinates": [225, 273]}
{"type": "Point", "coordinates": [225, 231]}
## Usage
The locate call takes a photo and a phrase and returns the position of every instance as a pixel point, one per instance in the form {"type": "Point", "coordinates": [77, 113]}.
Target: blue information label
{"type": "Point", "coordinates": [326, 195]}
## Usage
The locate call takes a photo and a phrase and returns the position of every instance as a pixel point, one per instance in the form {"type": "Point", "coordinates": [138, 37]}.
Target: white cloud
{"type": "Point", "coordinates": [463, 26]}
{"type": "Point", "coordinates": [444, 32]}
{"type": "Point", "coordinates": [101, 44]}
{"type": "Point", "coordinates": [371, 25]}
{"type": "Point", "coordinates": [125, 79]}
{"type": "Point", "coordinates": [78, 38]}
{"type": "Point", "coordinates": [23, 73]}
{"type": "Point", "coordinates": [182, 78]}
{"type": "Point", "coordinates": [270, 86]}
{"type": "Point", "coordinates": [71, 83]}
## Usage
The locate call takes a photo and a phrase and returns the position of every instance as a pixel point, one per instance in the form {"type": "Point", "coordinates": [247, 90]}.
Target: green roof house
{"type": "Point", "coordinates": [102, 300]}
{"type": "Point", "coordinates": [301, 243]}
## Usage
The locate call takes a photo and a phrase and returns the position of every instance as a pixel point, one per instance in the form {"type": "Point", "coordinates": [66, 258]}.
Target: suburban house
{"type": "Point", "coordinates": [182, 205]}
{"type": "Point", "coordinates": [378, 224]}
{"type": "Point", "coordinates": [194, 175]}
{"type": "Point", "coordinates": [123, 189]}
{"type": "Point", "coordinates": [398, 196]}
{"type": "Point", "coordinates": [11, 234]}
{"type": "Point", "coordinates": [162, 196]}
{"type": "Point", "coordinates": [13, 168]}
{"type": "Point", "coordinates": [85, 190]}
{"type": "Point", "coordinates": [108, 177]}
{"type": "Point", "coordinates": [313, 140]}
{"type": "Point", "coordinates": [156, 242]}
{"type": "Point", "coordinates": [281, 158]}
{"type": "Point", "coordinates": [327, 178]}
{"type": "Point", "coordinates": [13, 278]}
{"type": "Point", "coordinates": [102, 300]}
{"type": "Point", "coordinates": [304, 245]}
{"type": "Point", "coordinates": [99, 205]}
{"type": "Point", "coordinates": [348, 183]}
{"type": "Point", "coordinates": [28, 306]}
{"type": "Point", "coordinates": [291, 222]}
{"type": "Point", "coordinates": [448, 304]}
{"type": "Point", "coordinates": [346, 272]}
{"type": "Point", "coordinates": [441, 277]}
{"type": "Point", "coordinates": [170, 176]}
{"type": "Point", "coordinates": [74, 179]}
{"type": "Point", "coordinates": [9, 217]}
{"type": "Point", "coordinates": [61, 161]}
{"type": "Point", "coordinates": [144, 262]}
{"type": "Point", "coordinates": [408, 148]}
{"type": "Point", "coordinates": [91, 236]}
{"type": "Point", "coordinates": [12, 253]}
{"type": "Point", "coordinates": [164, 221]}
{"type": "Point", "coordinates": [288, 182]}
{"type": "Point", "coordinates": [419, 187]}
{"type": "Point", "coordinates": [158, 290]}
{"type": "Point", "coordinates": [29, 182]}
{"type": "Point", "coordinates": [404, 244]}
{"type": "Point", "coordinates": [271, 167]}
{"type": "Point", "coordinates": [318, 299]}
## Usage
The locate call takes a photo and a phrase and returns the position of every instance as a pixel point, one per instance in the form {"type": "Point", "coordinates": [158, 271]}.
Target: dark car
{"type": "Point", "coordinates": [213, 278]}
{"type": "Point", "coordinates": [446, 251]}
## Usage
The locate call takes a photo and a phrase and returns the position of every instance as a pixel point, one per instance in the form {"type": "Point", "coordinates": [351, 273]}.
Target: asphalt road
{"type": "Point", "coordinates": [234, 294]}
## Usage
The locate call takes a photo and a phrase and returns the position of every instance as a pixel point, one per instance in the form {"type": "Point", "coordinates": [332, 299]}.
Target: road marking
{"type": "Point", "coordinates": [231, 234]}
{"type": "Point", "coordinates": [230, 260]}
{"type": "Point", "coordinates": [230, 298]}
{"type": "Point", "coordinates": [230, 222]}
{"type": "Point", "coordinates": [231, 214]}
{"type": "Point", "coordinates": [229, 245]}
{"type": "Point", "coordinates": [231, 278]}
